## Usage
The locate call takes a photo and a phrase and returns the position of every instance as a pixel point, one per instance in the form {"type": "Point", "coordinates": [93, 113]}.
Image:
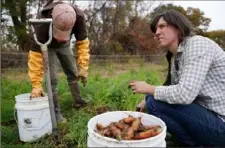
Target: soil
{"type": "Point", "coordinates": [102, 109]}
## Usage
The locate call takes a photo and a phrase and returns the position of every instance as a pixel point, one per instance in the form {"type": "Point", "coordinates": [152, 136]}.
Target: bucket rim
{"type": "Point", "coordinates": [39, 107]}
{"type": "Point", "coordinates": [39, 99]}
{"type": "Point", "coordinates": [128, 141]}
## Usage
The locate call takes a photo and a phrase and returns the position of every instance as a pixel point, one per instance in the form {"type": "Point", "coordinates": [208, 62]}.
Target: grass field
{"type": "Point", "coordinates": [107, 87]}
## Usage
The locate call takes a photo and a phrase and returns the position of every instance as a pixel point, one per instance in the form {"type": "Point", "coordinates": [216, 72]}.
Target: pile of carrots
{"type": "Point", "coordinates": [129, 128]}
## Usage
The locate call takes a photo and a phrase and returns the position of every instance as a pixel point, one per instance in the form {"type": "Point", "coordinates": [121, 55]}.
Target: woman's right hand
{"type": "Point", "coordinates": [141, 106]}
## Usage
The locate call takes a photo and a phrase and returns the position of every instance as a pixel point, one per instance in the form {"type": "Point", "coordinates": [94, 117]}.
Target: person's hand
{"type": "Point", "coordinates": [82, 75]}
{"type": "Point", "coordinates": [83, 80]}
{"type": "Point", "coordinates": [37, 92]}
{"type": "Point", "coordinates": [141, 87]}
{"type": "Point", "coordinates": [141, 106]}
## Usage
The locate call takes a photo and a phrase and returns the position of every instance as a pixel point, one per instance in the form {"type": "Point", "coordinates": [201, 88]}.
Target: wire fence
{"type": "Point", "coordinates": [11, 60]}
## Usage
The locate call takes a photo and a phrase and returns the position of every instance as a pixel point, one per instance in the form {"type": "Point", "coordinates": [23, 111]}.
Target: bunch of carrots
{"type": "Point", "coordinates": [129, 128]}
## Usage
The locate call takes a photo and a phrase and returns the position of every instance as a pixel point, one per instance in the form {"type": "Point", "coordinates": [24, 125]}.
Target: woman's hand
{"type": "Point", "coordinates": [141, 106]}
{"type": "Point", "coordinates": [141, 87]}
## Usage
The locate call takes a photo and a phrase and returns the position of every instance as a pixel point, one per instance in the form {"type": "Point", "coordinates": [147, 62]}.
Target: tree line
{"type": "Point", "coordinates": [114, 27]}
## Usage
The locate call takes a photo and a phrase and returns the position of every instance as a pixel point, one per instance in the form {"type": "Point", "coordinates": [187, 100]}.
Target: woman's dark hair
{"type": "Point", "coordinates": [179, 21]}
{"type": "Point", "coordinates": [175, 19]}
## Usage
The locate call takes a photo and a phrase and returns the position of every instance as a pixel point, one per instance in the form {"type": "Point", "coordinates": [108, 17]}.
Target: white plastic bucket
{"type": "Point", "coordinates": [96, 140]}
{"type": "Point", "coordinates": [33, 117]}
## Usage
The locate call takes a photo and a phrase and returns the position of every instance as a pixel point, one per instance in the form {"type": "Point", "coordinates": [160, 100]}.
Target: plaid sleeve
{"type": "Point", "coordinates": [197, 58]}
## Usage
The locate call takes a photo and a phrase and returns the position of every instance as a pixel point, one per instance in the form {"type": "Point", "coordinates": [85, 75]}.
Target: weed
{"type": "Point", "coordinates": [101, 91]}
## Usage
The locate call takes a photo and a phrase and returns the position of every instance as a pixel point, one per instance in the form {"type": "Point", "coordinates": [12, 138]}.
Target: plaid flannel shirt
{"type": "Point", "coordinates": [197, 70]}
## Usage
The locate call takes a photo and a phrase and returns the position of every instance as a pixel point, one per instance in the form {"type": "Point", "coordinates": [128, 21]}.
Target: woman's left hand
{"type": "Point", "coordinates": [141, 87]}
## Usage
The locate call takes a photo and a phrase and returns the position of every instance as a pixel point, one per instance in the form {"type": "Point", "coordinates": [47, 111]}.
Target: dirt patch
{"type": "Point", "coordinates": [102, 109]}
{"type": "Point", "coordinates": [8, 123]}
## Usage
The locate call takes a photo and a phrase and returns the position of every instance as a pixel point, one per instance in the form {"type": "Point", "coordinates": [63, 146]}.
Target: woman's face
{"type": "Point", "coordinates": [166, 35]}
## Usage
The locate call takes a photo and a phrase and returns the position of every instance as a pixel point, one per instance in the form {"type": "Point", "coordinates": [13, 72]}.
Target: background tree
{"type": "Point", "coordinates": [105, 19]}
{"type": "Point", "coordinates": [195, 15]}
{"type": "Point", "coordinates": [114, 27]}
{"type": "Point", "coordinates": [218, 36]}
{"type": "Point", "coordinates": [18, 12]}
{"type": "Point", "coordinates": [197, 18]}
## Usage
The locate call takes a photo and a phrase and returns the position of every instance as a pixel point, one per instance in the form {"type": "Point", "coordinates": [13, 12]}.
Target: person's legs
{"type": "Point", "coordinates": [54, 81]}
{"type": "Point", "coordinates": [68, 63]}
{"type": "Point", "coordinates": [173, 127]}
{"type": "Point", "coordinates": [192, 124]}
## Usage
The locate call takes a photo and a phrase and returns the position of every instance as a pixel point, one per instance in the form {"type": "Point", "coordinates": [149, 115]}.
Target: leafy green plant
{"type": "Point", "coordinates": [101, 90]}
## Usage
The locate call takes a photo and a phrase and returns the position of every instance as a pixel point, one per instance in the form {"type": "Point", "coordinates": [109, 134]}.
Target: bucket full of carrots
{"type": "Point", "coordinates": [126, 129]}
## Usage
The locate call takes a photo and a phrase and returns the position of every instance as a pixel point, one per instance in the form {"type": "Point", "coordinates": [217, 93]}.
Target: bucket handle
{"type": "Point", "coordinates": [29, 129]}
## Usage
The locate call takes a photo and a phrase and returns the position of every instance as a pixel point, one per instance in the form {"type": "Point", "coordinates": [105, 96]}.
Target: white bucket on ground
{"type": "Point", "coordinates": [96, 140]}
{"type": "Point", "coordinates": [33, 117]}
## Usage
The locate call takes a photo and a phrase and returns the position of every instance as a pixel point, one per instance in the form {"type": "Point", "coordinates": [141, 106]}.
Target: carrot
{"type": "Point", "coordinates": [151, 126]}
{"type": "Point", "coordinates": [143, 135]}
{"type": "Point", "coordinates": [125, 129]}
{"type": "Point", "coordinates": [129, 119]}
{"type": "Point", "coordinates": [130, 133]}
{"type": "Point", "coordinates": [122, 120]}
{"type": "Point", "coordinates": [99, 126]}
{"type": "Point", "coordinates": [159, 129]}
{"type": "Point", "coordinates": [116, 132]}
{"type": "Point", "coordinates": [119, 125]}
{"type": "Point", "coordinates": [156, 131]}
{"type": "Point", "coordinates": [106, 132]}
{"type": "Point", "coordinates": [128, 128]}
{"type": "Point", "coordinates": [136, 123]}
{"type": "Point", "coordinates": [141, 128]}
{"type": "Point", "coordinates": [149, 133]}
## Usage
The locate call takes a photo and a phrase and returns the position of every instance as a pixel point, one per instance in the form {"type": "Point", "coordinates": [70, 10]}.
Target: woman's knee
{"type": "Point", "coordinates": [150, 103]}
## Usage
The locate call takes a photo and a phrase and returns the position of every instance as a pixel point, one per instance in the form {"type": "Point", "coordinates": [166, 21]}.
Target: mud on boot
{"type": "Point", "coordinates": [79, 104]}
{"type": "Point", "coordinates": [61, 123]}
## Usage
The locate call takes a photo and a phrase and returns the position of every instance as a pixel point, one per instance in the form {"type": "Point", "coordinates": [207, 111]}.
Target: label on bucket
{"type": "Point", "coordinates": [31, 122]}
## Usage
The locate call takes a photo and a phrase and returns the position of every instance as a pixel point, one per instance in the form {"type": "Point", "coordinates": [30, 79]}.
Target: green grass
{"type": "Point", "coordinates": [107, 86]}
